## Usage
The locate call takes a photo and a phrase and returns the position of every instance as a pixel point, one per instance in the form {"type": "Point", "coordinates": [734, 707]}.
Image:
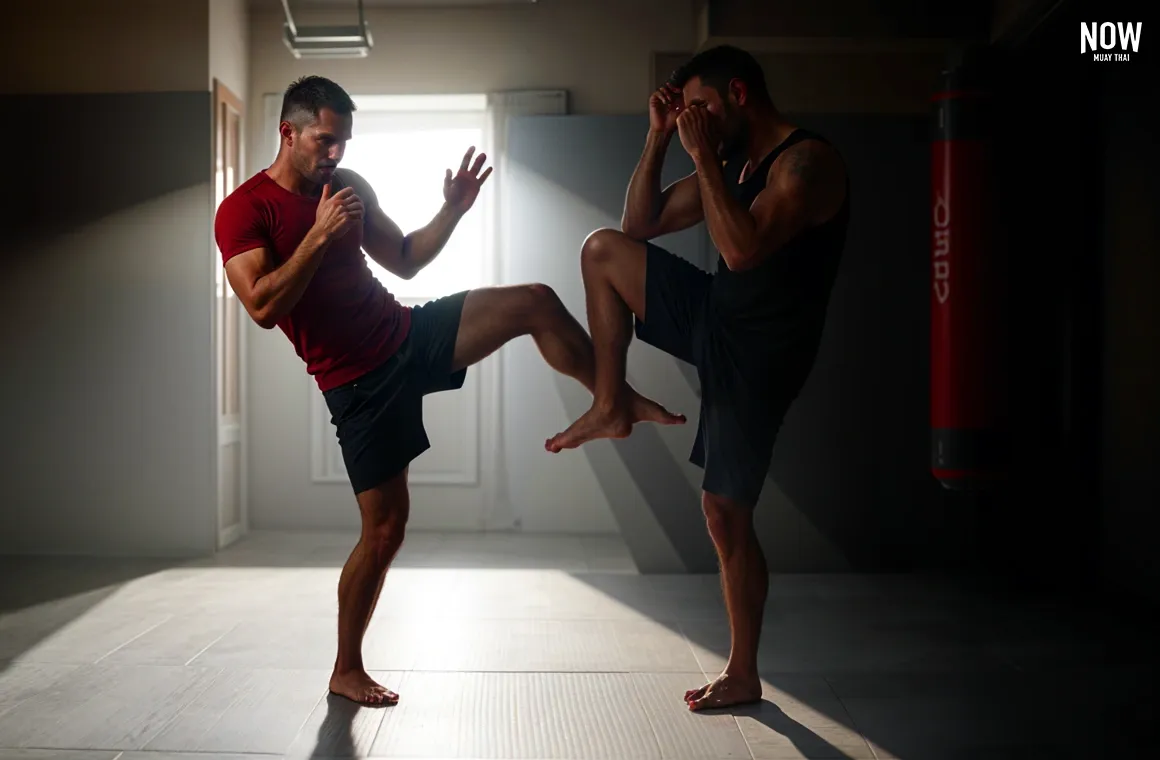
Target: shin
{"type": "Point", "coordinates": [744, 578]}
{"type": "Point", "coordinates": [384, 518]}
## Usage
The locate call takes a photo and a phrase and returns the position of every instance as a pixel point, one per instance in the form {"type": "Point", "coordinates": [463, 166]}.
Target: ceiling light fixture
{"type": "Point", "coordinates": [327, 41]}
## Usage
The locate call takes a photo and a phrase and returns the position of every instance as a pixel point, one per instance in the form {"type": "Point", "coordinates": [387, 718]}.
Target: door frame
{"type": "Point", "coordinates": [224, 98]}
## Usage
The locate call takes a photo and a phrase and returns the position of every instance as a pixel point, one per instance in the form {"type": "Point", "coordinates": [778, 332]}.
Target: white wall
{"type": "Point", "coordinates": [229, 45]}
{"type": "Point", "coordinates": [107, 385]}
{"type": "Point", "coordinates": [550, 45]}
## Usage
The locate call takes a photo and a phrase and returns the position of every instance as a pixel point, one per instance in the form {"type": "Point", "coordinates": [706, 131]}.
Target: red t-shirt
{"type": "Point", "coordinates": [346, 322]}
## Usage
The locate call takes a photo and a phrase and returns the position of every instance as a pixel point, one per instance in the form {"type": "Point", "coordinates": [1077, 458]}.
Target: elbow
{"type": "Point", "coordinates": [739, 258]}
{"type": "Point", "coordinates": [634, 231]}
{"type": "Point", "coordinates": [264, 318]}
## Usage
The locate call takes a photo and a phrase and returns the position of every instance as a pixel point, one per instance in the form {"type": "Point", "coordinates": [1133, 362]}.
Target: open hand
{"type": "Point", "coordinates": [461, 190]}
{"type": "Point", "coordinates": [698, 132]}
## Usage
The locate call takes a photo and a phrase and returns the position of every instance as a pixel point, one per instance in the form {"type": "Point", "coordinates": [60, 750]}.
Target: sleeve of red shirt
{"type": "Point", "coordinates": [239, 227]}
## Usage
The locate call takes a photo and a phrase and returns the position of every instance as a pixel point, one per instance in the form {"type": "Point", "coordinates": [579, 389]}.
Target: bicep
{"type": "Point", "coordinates": [382, 237]}
{"type": "Point", "coordinates": [244, 270]}
{"type": "Point", "coordinates": [681, 206]}
{"type": "Point", "coordinates": [804, 192]}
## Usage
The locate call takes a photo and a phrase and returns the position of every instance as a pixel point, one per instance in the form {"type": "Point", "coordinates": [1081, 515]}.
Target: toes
{"type": "Point", "coordinates": [692, 694]}
{"type": "Point", "coordinates": [707, 698]}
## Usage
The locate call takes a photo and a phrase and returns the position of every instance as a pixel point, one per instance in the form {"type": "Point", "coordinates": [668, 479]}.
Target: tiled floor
{"type": "Point", "coordinates": [546, 647]}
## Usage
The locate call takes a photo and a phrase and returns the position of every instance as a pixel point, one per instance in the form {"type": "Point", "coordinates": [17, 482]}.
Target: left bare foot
{"type": "Point", "coordinates": [612, 422]}
{"type": "Point", "coordinates": [726, 691]}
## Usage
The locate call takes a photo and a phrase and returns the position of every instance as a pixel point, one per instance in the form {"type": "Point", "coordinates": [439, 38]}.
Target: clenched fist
{"type": "Point", "coordinates": [337, 214]}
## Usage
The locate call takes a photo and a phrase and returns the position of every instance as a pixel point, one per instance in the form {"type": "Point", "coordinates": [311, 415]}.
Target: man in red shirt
{"type": "Point", "coordinates": [292, 240]}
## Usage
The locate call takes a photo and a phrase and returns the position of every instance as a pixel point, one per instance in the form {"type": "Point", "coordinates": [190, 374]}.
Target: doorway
{"type": "Point", "coordinates": [229, 337]}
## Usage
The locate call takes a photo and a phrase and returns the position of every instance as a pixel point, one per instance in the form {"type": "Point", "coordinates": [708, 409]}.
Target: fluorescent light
{"type": "Point", "coordinates": [352, 41]}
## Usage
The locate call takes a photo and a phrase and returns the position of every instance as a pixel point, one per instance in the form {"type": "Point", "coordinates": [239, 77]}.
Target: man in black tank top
{"type": "Point", "coordinates": [775, 200]}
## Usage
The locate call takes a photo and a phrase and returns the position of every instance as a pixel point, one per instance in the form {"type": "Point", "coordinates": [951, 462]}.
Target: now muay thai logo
{"type": "Point", "coordinates": [942, 249]}
{"type": "Point", "coordinates": [1101, 39]}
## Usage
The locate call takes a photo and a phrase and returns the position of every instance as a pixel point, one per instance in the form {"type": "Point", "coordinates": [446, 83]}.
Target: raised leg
{"type": "Point", "coordinates": [613, 268]}
{"type": "Point", "coordinates": [384, 510]}
{"type": "Point", "coordinates": [494, 316]}
{"type": "Point", "coordinates": [745, 584]}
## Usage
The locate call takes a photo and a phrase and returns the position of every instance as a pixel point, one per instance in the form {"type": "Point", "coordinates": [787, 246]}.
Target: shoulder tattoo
{"type": "Point", "coordinates": [802, 161]}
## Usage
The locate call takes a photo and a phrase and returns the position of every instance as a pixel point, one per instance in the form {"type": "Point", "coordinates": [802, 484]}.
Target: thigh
{"type": "Point", "coordinates": [493, 316]}
{"type": "Point", "coordinates": [378, 420]}
{"type": "Point", "coordinates": [738, 430]}
{"type": "Point", "coordinates": [675, 294]}
{"type": "Point", "coordinates": [435, 329]}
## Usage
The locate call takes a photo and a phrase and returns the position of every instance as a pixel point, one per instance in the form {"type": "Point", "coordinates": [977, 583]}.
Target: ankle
{"type": "Point", "coordinates": [348, 669]}
{"type": "Point", "coordinates": [741, 671]}
{"type": "Point", "coordinates": [605, 404]}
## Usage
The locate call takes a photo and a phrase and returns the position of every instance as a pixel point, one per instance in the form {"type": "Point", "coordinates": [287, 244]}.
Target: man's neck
{"type": "Point", "coordinates": [766, 132]}
{"type": "Point", "coordinates": [284, 174]}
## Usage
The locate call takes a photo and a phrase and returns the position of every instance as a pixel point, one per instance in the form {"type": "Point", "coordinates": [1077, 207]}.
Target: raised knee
{"type": "Point", "coordinates": [540, 294]}
{"type": "Point", "coordinates": [600, 246]}
{"type": "Point", "coordinates": [538, 301]}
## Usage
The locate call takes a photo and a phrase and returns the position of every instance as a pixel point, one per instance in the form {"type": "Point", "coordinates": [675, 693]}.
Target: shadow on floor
{"type": "Point", "coordinates": [917, 667]}
{"type": "Point", "coordinates": [42, 595]}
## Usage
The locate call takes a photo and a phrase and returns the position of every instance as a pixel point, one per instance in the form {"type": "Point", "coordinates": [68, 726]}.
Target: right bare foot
{"type": "Point", "coordinates": [359, 687]}
{"type": "Point", "coordinates": [612, 422]}
{"type": "Point", "coordinates": [725, 691]}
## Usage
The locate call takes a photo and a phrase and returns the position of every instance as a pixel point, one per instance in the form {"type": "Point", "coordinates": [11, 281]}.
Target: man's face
{"type": "Point", "coordinates": [317, 149]}
{"type": "Point", "coordinates": [725, 110]}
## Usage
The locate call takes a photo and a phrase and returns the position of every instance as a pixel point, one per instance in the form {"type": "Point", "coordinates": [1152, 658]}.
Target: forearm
{"type": "Point", "coordinates": [422, 246]}
{"type": "Point", "coordinates": [731, 226]}
{"type": "Point", "coordinates": [642, 203]}
{"type": "Point", "coordinates": [277, 293]}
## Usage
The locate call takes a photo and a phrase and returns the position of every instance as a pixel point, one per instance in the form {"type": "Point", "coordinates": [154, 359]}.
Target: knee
{"type": "Point", "coordinates": [600, 247]}
{"type": "Point", "coordinates": [385, 533]}
{"type": "Point", "coordinates": [537, 303]}
{"type": "Point", "coordinates": [729, 522]}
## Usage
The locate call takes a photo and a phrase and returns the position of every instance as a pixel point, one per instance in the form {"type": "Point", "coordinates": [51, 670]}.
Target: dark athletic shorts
{"type": "Point", "coordinates": [379, 416]}
{"type": "Point", "coordinates": [741, 411]}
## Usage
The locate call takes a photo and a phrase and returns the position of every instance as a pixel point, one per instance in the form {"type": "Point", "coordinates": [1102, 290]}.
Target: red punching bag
{"type": "Point", "coordinates": [967, 290]}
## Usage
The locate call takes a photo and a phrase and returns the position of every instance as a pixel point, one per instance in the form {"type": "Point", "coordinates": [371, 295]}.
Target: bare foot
{"type": "Point", "coordinates": [725, 691]}
{"type": "Point", "coordinates": [359, 687]}
{"type": "Point", "coordinates": [612, 422]}
{"type": "Point", "coordinates": [647, 410]}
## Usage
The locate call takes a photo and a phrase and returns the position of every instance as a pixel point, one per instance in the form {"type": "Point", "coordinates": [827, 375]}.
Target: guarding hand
{"type": "Point", "coordinates": [338, 213]}
{"type": "Point", "coordinates": [663, 108]}
{"type": "Point", "coordinates": [461, 190]}
{"type": "Point", "coordinates": [698, 132]}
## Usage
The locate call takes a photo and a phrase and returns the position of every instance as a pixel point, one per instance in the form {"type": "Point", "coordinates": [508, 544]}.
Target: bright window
{"type": "Point", "coordinates": [403, 147]}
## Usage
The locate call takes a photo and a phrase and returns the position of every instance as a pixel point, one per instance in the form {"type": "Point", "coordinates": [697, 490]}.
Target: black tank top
{"type": "Point", "coordinates": [773, 314]}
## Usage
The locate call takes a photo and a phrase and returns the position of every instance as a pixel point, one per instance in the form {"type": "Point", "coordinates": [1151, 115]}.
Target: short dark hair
{"type": "Point", "coordinates": [309, 95]}
{"type": "Point", "coordinates": [717, 66]}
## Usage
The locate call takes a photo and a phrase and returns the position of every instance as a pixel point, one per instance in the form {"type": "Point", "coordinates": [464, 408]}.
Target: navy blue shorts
{"type": "Point", "coordinates": [378, 418]}
{"type": "Point", "coordinates": [741, 408]}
